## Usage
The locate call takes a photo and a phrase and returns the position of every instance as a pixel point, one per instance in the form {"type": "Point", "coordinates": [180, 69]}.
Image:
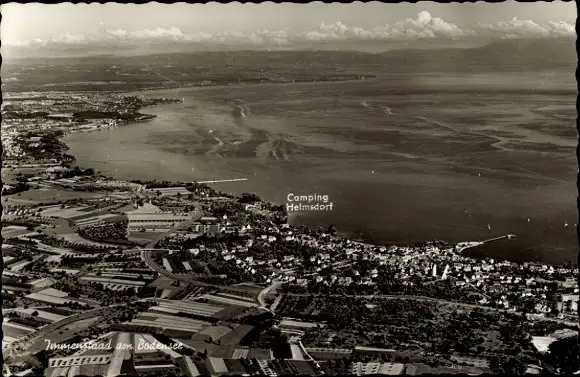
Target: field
{"type": "Point", "coordinates": [42, 314]}
{"type": "Point", "coordinates": [192, 307]}
{"type": "Point", "coordinates": [14, 231]}
{"type": "Point", "coordinates": [215, 332]}
{"type": "Point", "coordinates": [224, 300]}
{"type": "Point", "coordinates": [54, 195]}
{"type": "Point", "coordinates": [14, 332]}
{"type": "Point", "coordinates": [64, 334]}
{"type": "Point", "coordinates": [260, 353]}
{"type": "Point", "coordinates": [143, 237]}
{"type": "Point", "coordinates": [229, 313]}
{"type": "Point", "coordinates": [236, 335]}
{"type": "Point", "coordinates": [247, 291]}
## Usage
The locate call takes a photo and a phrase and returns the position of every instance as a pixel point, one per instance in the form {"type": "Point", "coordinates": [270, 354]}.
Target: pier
{"type": "Point", "coordinates": [506, 237]}
{"type": "Point", "coordinates": [461, 246]}
{"type": "Point", "coordinates": [224, 180]}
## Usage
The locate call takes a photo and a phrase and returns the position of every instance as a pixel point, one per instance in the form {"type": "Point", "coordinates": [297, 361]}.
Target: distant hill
{"type": "Point", "coordinates": [104, 72]}
{"type": "Point", "coordinates": [505, 54]}
{"type": "Point", "coordinates": [527, 54]}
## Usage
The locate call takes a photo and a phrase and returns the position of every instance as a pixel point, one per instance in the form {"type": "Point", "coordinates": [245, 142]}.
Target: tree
{"type": "Point", "coordinates": [332, 230]}
{"type": "Point", "coordinates": [514, 366]}
{"type": "Point", "coordinates": [34, 313]}
{"type": "Point", "coordinates": [37, 370]}
{"type": "Point", "coordinates": [563, 355]}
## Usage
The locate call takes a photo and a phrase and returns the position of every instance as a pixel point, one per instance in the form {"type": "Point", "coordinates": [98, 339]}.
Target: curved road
{"type": "Point", "coordinates": [265, 291]}
{"type": "Point", "coordinates": [146, 255]}
{"type": "Point", "coordinates": [309, 356]}
{"type": "Point", "coordinates": [21, 346]}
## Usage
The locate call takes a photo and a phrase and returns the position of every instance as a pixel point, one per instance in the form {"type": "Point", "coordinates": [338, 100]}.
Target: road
{"type": "Point", "coordinates": [309, 356]}
{"type": "Point", "coordinates": [435, 300]}
{"type": "Point", "coordinates": [146, 256]}
{"type": "Point", "coordinates": [265, 291]}
{"type": "Point", "coordinates": [120, 354]}
{"type": "Point", "coordinates": [21, 346]}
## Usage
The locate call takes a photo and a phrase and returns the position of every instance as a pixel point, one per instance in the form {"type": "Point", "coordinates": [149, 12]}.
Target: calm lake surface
{"type": "Point", "coordinates": [403, 159]}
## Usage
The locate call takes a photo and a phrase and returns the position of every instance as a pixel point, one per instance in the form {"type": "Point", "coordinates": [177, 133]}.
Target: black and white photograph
{"type": "Point", "coordinates": [289, 189]}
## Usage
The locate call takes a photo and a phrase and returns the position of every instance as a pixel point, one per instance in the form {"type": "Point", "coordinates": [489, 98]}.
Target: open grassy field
{"type": "Point", "coordinates": [52, 195]}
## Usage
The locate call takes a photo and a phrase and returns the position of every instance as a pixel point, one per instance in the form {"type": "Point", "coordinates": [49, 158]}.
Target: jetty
{"type": "Point", "coordinates": [224, 180]}
{"type": "Point", "coordinates": [506, 237]}
{"type": "Point", "coordinates": [461, 246]}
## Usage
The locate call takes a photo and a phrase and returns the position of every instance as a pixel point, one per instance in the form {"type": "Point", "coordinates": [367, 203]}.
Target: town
{"type": "Point", "coordinates": [193, 281]}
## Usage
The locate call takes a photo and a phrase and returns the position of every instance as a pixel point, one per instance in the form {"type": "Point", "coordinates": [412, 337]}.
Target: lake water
{"type": "Point", "coordinates": [403, 159]}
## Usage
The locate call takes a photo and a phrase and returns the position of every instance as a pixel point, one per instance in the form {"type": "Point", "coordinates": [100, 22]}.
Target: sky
{"type": "Point", "coordinates": [270, 24]}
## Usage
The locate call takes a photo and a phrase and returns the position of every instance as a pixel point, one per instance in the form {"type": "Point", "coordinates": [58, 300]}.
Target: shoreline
{"type": "Point", "coordinates": [344, 234]}
{"type": "Point", "coordinates": [365, 241]}
{"type": "Point", "coordinates": [201, 86]}
{"type": "Point", "coordinates": [194, 86]}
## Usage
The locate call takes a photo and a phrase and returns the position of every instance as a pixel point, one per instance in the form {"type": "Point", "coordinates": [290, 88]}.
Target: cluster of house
{"type": "Point", "coordinates": [498, 283]}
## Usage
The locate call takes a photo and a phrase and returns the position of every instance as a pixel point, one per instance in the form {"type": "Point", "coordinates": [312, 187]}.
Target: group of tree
{"type": "Point", "coordinates": [402, 323]}
{"type": "Point", "coordinates": [507, 365]}
{"type": "Point", "coordinates": [563, 356]}
{"type": "Point", "coordinates": [249, 198]}
{"type": "Point", "coordinates": [107, 232]}
{"type": "Point", "coordinates": [15, 189]}
{"type": "Point", "coordinates": [76, 172]}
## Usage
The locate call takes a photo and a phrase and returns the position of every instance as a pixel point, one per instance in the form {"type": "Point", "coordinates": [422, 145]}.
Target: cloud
{"type": "Point", "coordinates": [423, 27]}
{"type": "Point", "coordinates": [70, 39]}
{"type": "Point", "coordinates": [67, 39]}
{"type": "Point", "coordinates": [119, 33]}
{"type": "Point", "coordinates": [516, 28]}
{"type": "Point", "coordinates": [426, 26]}
{"type": "Point", "coordinates": [159, 33]}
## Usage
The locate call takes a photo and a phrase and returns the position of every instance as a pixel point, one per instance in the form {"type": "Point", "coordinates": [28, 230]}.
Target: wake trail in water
{"type": "Point", "coordinates": [377, 107]}
{"type": "Point", "coordinates": [497, 145]}
{"type": "Point", "coordinates": [240, 111]}
{"type": "Point", "coordinates": [265, 145]}
{"type": "Point", "coordinates": [498, 140]}
{"type": "Point", "coordinates": [214, 151]}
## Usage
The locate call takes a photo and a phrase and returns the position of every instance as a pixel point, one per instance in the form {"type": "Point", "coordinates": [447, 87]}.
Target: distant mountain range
{"type": "Point", "coordinates": [519, 52]}
{"type": "Point", "coordinates": [508, 54]}
{"type": "Point", "coordinates": [120, 73]}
